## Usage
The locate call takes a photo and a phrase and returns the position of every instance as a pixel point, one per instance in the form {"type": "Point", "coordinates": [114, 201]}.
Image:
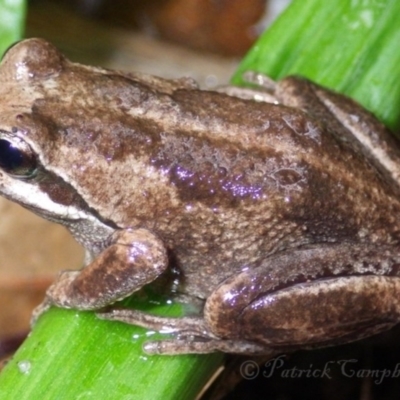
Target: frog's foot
{"type": "Point", "coordinates": [64, 279]}
{"type": "Point", "coordinates": [261, 80]}
{"type": "Point", "coordinates": [39, 310]}
{"type": "Point", "coordinates": [192, 335]}
{"type": "Point", "coordinates": [188, 326]}
{"type": "Point", "coordinates": [263, 88]}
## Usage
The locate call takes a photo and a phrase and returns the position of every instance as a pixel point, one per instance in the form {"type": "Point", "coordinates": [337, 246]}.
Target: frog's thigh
{"type": "Point", "coordinates": [310, 312]}
{"type": "Point", "coordinates": [133, 259]}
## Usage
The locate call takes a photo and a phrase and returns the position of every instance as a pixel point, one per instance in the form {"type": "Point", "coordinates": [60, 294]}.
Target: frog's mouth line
{"type": "Point", "coordinates": [50, 197]}
{"type": "Point", "coordinates": [71, 215]}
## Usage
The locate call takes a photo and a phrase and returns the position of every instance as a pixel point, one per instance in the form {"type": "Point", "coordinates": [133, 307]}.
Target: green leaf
{"type": "Point", "coordinates": [12, 18]}
{"type": "Point", "coordinates": [75, 355]}
{"type": "Point", "coordinates": [350, 46]}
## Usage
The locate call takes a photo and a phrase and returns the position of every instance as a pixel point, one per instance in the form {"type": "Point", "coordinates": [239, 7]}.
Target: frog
{"type": "Point", "coordinates": [275, 206]}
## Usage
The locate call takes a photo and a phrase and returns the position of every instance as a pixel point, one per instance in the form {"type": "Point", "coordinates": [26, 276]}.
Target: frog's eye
{"type": "Point", "coordinates": [17, 158]}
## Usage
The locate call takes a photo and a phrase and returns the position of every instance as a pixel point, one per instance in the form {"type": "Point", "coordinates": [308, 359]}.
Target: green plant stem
{"type": "Point", "coordinates": [350, 48]}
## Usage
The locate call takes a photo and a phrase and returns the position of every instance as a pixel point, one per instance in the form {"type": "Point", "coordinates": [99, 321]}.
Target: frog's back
{"type": "Point", "coordinates": [259, 159]}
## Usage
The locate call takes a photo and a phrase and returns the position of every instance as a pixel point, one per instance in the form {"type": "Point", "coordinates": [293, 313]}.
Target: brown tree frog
{"type": "Point", "coordinates": [280, 214]}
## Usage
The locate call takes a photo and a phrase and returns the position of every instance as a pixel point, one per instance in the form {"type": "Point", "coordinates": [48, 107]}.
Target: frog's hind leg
{"type": "Point", "coordinates": [310, 297]}
{"type": "Point", "coordinates": [302, 298]}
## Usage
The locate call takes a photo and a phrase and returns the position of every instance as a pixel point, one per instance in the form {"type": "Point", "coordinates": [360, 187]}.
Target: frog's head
{"type": "Point", "coordinates": [70, 134]}
{"type": "Point", "coordinates": [37, 153]}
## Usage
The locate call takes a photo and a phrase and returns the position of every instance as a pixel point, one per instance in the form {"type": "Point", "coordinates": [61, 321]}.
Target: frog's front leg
{"type": "Point", "coordinates": [132, 259]}
{"type": "Point", "coordinates": [274, 307]}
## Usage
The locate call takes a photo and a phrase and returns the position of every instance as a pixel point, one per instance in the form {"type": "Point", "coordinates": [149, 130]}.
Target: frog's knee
{"type": "Point", "coordinates": [224, 306]}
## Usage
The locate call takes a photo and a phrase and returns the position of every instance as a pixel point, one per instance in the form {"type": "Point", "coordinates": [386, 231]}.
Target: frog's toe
{"type": "Point", "coordinates": [192, 345]}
